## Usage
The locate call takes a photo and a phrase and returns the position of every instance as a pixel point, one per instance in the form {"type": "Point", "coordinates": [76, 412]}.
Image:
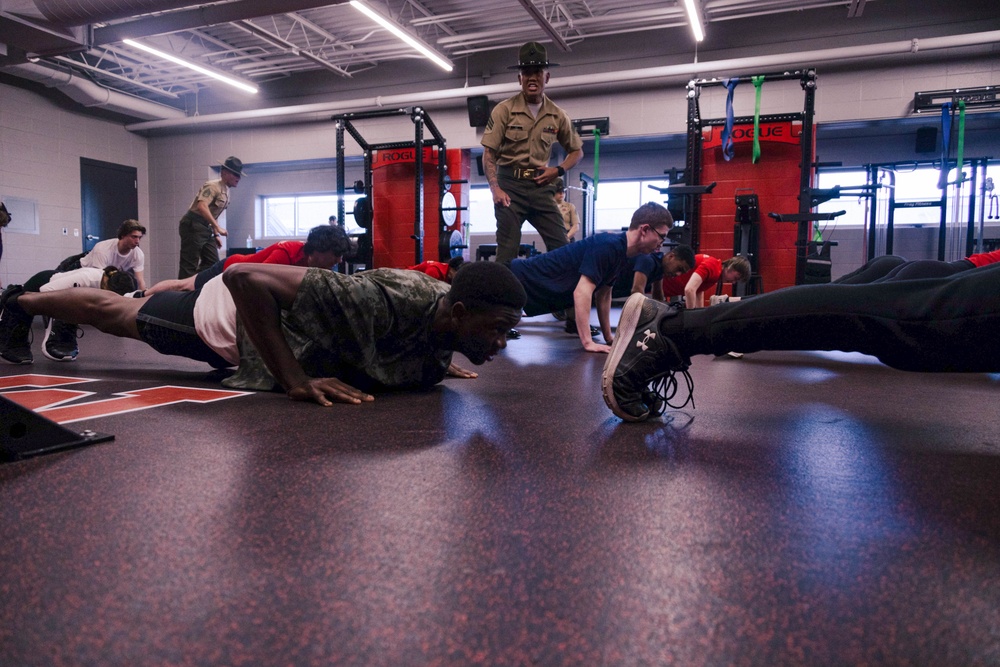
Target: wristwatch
{"type": "Point", "coordinates": [562, 172]}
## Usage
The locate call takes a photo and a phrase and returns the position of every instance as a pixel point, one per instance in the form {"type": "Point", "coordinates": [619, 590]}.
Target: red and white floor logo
{"type": "Point", "coordinates": [47, 399]}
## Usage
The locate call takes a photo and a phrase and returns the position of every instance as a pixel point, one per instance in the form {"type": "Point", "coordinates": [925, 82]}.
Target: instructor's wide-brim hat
{"type": "Point", "coordinates": [233, 164]}
{"type": "Point", "coordinates": [531, 55]}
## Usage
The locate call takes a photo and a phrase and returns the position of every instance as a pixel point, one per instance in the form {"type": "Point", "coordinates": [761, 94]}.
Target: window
{"type": "Point", "coordinates": [481, 218]}
{"type": "Point", "coordinates": [616, 201]}
{"type": "Point", "coordinates": [911, 184]}
{"type": "Point", "coordinates": [856, 207]}
{"type": "Point", "coordinates": [290, 216]}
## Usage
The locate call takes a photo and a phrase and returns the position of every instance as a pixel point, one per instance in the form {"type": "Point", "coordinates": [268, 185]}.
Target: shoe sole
{"type": "Point", "coordinates": [18, 362]}
{"type": "Point", "coordinates": [626, 329]}
{"type": "Point", "coordinates": [55, 358]}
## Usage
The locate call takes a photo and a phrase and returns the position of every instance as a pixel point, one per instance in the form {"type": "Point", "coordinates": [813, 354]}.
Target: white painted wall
{"type": "Point", "coordinates": [40, 150]}
{"type": "Point", "coordinates": [40, 145]}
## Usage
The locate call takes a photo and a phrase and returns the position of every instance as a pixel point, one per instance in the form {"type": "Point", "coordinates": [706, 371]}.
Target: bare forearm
{"type": "Point", "coordinates": [582, 300]}
{"type": "Point", "coordinates": [490, 167]}
{"type": "Point", "coordinates": [692, 299]}
{"type": "Point", "coordinates": [260, 295]}
{"type": "Point", "coordinates": [604, 312]}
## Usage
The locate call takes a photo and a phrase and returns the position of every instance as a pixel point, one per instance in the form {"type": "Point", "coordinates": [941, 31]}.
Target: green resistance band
{"type": "Point", "coordinates": [597, 160]}
{"type": "Point", "coordinates": [758, 81]}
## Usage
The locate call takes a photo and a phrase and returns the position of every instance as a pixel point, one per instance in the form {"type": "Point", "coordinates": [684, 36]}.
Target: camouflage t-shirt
{"type": "Point", "coordinates": [371, 330]}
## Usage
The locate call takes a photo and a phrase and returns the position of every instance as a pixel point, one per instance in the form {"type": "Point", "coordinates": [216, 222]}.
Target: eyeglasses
{"type": "Point", "coordinates": [663, 236]}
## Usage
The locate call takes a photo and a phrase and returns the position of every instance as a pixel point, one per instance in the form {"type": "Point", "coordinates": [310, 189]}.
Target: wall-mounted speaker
{"type": "Point", "coordinates": [926, 140]}
{"type": "Point", "coordinates": [479, 110]}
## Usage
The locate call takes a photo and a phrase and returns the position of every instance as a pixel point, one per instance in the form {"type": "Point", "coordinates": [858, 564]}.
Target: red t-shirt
{"type": "Point", "coordinates": [984, 258]}
{"type": "Point", "coordinates": [283, 252]}
{"type": "Point", "coordinates": [706, 266]}
{"type": "Point", "coordinates": [434, 269]}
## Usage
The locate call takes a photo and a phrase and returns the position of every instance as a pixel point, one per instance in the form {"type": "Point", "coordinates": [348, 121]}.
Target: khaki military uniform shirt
{"type": "Point", "coordinates": [215, 194]}
{"type": "Point", "coordinates": [521, 140]}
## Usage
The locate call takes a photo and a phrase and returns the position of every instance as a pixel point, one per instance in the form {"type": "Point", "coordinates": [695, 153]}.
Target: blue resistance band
{"type": "Point", "coordinates": [945, 144]}
{"type": "Point", "coordinates": [727, 130]}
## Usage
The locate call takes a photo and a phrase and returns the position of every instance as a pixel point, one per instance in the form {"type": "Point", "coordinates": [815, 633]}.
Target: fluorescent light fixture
{"type": "Point", "coordinates": [246, 87]}
{"type": "Point", "coordinates": [694, 20]}
{"type": "Point", "coordinates": [394, 28]}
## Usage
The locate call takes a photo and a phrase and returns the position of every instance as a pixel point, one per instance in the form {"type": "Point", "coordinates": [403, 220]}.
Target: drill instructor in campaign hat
{"type": "Point", "coordinates": [199, 228]}
{"type": "Point", "coordinates": [517, 147]}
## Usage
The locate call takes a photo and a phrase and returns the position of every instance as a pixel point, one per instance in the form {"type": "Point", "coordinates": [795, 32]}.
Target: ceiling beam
{"type": "Point", "coordinates": [203, 16]}
{"type": "Point", "coordinates": [288, 47]}
{"type": "Point", "coordinates": [545, 25]}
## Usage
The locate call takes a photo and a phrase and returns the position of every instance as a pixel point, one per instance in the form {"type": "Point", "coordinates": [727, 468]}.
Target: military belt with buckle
{"type": "Point", "coordinates": [519, 172]}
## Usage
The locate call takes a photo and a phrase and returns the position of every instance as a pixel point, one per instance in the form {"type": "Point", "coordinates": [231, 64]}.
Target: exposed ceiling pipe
{"type": "Point", "coordinates": [89, 94]}
{"type": "Point", "coordinates": [681, 72]}
{"type": "Point", "coordinates": [74, 12]}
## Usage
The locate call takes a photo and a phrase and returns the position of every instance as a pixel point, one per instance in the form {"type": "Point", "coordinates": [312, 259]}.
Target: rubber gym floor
{"type": "Point", "coordinates": [812, 509]}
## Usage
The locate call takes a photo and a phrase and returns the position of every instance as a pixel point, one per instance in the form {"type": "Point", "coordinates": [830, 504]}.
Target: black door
{"type": "Point", "coordinates": [109, 196]}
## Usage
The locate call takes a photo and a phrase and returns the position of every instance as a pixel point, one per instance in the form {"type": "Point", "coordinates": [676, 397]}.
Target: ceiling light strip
{"type": "Point", "coordinates": [401, 34]}
{"type": "Point", "coordinates": [245, 87]}
{"type": "Point", "coordinates": [694, 19]}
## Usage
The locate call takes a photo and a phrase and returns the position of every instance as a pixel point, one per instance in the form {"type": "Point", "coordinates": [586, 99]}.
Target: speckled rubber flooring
{"type": "Point", "coordinates": [813, 509]}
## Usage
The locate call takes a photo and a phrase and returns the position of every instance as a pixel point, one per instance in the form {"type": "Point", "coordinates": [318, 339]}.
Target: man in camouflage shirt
{"type": "Point", "coordinates": [321, 336]}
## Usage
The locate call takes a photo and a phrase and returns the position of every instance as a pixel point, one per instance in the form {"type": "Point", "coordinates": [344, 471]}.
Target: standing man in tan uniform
{"type": "Point", "coordinates": [518, 143]}
{"type": "Point", "coordinates": [199, 228]}
{"type": "Point", "coordinates": [571, 219]}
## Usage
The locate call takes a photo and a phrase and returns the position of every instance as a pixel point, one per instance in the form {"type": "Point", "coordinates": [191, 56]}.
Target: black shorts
{"type": "Point", "coordinates": [166, 324]}
{"type": "Point", "coordinates": [203, 277]}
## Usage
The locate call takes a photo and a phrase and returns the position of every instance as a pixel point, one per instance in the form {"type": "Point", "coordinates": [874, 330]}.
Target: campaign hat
{"type": "Point", "coordinates": [233, 164]}
{"type": "Point", "coordinates": [532, 54]}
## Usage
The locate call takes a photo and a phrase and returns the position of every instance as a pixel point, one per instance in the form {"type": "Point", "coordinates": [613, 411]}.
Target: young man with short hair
{"type": "Point", "coordinates": [324, 247]}
{"type": "Point", "coordinates": [110, 264]}
{"type": "Point", "coordinates": [321, 336]}
{"type": "Point", "coordinates": [704, 274]}
{"type": "Point", "coordinates": [645, 273]}
{"type": "Point", "coordinates": [573, 275]}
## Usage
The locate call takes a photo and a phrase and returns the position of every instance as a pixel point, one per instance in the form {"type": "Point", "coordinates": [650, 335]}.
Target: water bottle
{"type": "Point", "coordinates": [249, 242]}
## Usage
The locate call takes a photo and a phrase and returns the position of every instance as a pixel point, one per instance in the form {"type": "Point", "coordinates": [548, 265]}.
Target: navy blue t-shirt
{"type": "Point", "coordinates": [550, 278]}
{"type": "Point", "coordinates": [649, 264]}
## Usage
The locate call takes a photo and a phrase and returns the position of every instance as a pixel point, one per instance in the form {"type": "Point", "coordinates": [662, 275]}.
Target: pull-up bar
{"type": "Point", "coordinates": [805, 74]}
{"type": "Point", "coordinates": [420, 119]}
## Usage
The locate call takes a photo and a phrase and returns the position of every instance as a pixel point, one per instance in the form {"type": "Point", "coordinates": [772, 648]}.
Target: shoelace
{"type": "Point", "coordinates": [665, 387]}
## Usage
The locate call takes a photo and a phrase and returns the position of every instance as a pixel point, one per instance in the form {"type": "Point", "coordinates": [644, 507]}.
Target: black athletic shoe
{"type": "Point", "coordinates": [15, 328]}
{"type": "Point", "coordinates": [638, 379]}
{"type": "Point", "coordinates": [59, 343]}
{"type": "Point", "coordinates": [571, 328]}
